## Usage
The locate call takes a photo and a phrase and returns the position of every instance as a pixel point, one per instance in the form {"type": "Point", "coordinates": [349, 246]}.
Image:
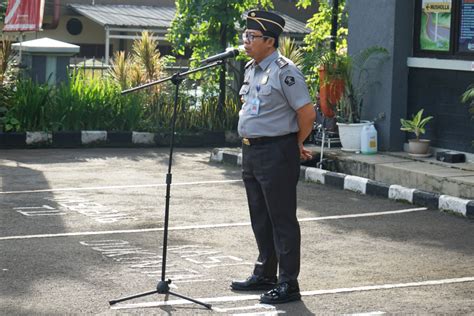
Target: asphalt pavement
{"type": "Point", "coordinates": [81, 227]}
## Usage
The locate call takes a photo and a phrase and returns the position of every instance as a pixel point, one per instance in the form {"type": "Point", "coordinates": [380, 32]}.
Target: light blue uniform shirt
{"type": "Point", "coordinates": [272, 92]}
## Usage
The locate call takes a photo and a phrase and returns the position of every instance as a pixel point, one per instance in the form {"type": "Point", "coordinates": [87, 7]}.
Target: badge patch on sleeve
{"type": "Point", "coordinates": [290, 80]}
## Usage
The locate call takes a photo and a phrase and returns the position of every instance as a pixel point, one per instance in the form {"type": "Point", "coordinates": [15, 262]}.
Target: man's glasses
{"type": "Point", "coordinates": [251, 37]}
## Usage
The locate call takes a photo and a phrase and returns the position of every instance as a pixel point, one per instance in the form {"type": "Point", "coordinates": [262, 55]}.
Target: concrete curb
{"type": "Point", "coordinates": [75, 139]}
{"type": "Point", "coordinates": [366, 186]}
{"type": "Point", "coordinates": [90, 138]}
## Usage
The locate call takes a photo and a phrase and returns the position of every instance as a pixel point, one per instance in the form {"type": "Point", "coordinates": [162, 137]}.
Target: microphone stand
{"type": "Point", "coordinates": [163, 285]}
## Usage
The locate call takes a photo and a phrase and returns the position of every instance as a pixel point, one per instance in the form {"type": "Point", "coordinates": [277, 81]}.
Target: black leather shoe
{"type": "Point", "coordinates": [254, 283]}
{"type": "Point", "coordinates": [283, 293]}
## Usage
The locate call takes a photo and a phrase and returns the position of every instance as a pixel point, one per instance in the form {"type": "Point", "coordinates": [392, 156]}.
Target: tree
{"type": "Point", "coordinates": [3, 9]}
{"type": "Point", "coordinates": [320, 24]}
{"type": "Point", "coordinates": [317, 41]}
{"type": "Point", "coordinates": [208, 26]}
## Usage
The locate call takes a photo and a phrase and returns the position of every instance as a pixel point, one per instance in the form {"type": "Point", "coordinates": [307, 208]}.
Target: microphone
{"type": "Point", "coordinates": [229, 53]}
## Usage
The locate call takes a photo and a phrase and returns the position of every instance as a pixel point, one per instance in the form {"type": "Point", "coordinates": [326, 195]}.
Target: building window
{"type": "Point", "coordinates": [444, 29]}
{"type": "Point", "coordinates": [74, 26]}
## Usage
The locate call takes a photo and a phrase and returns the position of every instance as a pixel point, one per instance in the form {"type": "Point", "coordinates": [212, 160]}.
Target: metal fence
{"type": "Point", "coordinates": [92, 66]}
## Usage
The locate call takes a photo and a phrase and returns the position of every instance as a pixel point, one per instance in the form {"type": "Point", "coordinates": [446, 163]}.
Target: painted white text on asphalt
{"type": "Point", "coordinates": [63, 205]}
{"type": "Point", "coordinates": [177, 268]}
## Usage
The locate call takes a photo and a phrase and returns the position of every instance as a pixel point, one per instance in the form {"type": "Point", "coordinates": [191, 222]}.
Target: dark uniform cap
{"type": "Point", "coordinates": [270, 24]}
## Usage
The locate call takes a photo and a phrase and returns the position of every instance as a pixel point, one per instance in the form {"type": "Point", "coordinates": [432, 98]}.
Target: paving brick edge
{"type": "Point", "coordinates": [459, 206]}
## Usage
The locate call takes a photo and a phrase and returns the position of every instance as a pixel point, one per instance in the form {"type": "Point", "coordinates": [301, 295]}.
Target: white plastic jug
{"type": "Point", "coordinates": [368, 140]}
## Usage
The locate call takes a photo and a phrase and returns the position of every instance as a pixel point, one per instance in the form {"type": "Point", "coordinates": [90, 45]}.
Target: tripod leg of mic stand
{"type": "Point", "coordinates": [208, 306]}
{"type": "Point", "coordinates": [112, 302]}
{"type": "Point", "coordinates": [163, 287]}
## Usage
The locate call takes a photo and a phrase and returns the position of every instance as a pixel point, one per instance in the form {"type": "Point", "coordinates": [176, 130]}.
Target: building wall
{"type": "Point", "coordinates": [391, 26]}
{"type": "Point", "coordinates": [438, 92]}
{"type": "Point", "coordinates": [402, 91]}
{"type": "Point", "coordinates": [92, 33]}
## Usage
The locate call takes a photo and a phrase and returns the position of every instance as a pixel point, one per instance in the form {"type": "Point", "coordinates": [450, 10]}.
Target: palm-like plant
{"type": "Point", "coordinates": [120, 69]}
{"type": "Point", "coordinates": [358, 76]}
{"type": "Point", "coordinates": [6, 57]}
{"type": "Point", "coordinates": [136, 75]}
{"type": "Point", "coordinates": [5, 62]}
{"type": "Point", "coordinates": [290, 50]}
{"type": "Point", "coordinates": [143, 65]}
{"type": "Point", "coordinates": [146, 54]}
{"type": "Point", "coordinates": [416, 125]}
{"type": "Point", "coordinates": [468, 96]}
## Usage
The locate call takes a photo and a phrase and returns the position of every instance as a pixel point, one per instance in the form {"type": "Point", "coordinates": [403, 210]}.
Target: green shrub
{"type": "Point", "coordinates": [206, 117]}
{"type": "Point", "coordinates": [84, 103]}
{"type": "Point", "coordinates": [94, 103]}
{"type": "Point", "coordinates": [28, 107]}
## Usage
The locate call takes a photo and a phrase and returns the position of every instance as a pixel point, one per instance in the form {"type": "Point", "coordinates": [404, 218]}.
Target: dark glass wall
{"type": "Point", "coordinates": [439, 92]}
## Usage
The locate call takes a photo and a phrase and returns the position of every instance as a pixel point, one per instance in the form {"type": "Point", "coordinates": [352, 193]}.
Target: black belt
{"type": "Point", "coordinates": [265, 139]}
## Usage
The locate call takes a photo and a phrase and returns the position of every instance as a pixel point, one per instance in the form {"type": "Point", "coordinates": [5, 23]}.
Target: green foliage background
{"type": "Point", "coordinates": [320, 25]}
{"type": "Point", "coordinates": [317, 41]}
{"type": "Point", "coordinates": [205, 25]}
{"type": "Point", "coordinates": [209, 26]}
{"type": "Point", "coordinates": [202, 23]}
{"type": "Point", "coordinates": [86, 103]}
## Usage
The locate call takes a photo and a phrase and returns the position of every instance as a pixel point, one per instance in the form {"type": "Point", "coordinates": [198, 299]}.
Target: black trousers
{"type": "Point", "coordinates": [270, 171]}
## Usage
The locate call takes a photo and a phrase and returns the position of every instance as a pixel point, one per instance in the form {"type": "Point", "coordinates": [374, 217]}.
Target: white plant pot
{"type": "Point", "coordinates": [349, 133]}
{"type": "Point", "coordinates": [419, 147]}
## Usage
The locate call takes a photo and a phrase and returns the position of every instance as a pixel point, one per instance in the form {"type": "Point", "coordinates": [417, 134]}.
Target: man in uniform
{"type": "Point", "coordinates": [276, 117]}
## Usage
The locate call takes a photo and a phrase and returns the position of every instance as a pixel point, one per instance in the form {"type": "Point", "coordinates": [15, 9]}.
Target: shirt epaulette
{"type": "Point", "coordinates": [250, 63]}
{"type": "Point", "coordinates": [281, 62]}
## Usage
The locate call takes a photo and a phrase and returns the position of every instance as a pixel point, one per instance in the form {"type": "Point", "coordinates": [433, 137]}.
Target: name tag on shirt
{"type": "Point", "coordinates": [254, 106]}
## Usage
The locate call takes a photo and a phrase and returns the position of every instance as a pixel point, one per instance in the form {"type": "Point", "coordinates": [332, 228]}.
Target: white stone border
{"type": "Point", "coordinates": [399, 193]}
{"type": "Point", "coordinates": [315, 175]}
{"type": "Point", "coordinates": [453, 204]}
{"type": "Point", "coordinates": [143, 138]}
{"type": "Point", "coordinates": [217, 155]}
{"type": "Point", "coordinates": [38, 138]}
{"type": "Point", "coordinates": [90, 137]}
{"type": "Point", "coordinates": [356, 184]}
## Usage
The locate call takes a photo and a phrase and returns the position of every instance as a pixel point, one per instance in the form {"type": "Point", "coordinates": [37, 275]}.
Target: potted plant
{"type": "Point", "coordinates": [355, 75]}
{"type": "Point", "coordinates": [332, 67]}
{"type": "Point", "coordinates": [468, 96]}
{"type": "Point", "coordinates": [417, 146]}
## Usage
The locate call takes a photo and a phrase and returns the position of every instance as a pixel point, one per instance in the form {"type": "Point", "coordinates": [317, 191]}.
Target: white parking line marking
{"type": "Point", "coordinates": [312, 219]}
{"type": "Point", "coordinates": [368, 314]}
{"type": "Point", "coordinates": [194, 281]}
{"type": "Point", "coordinates": [146, 230]}
{"type": "Point", "coordinates": [226, 299]}
{"type": "Point", "coordinates": [242, 308]}
{"type": "Point", "coordinates": [271, 313]}
{"type": "Point", "coordinates": [119, 187]}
